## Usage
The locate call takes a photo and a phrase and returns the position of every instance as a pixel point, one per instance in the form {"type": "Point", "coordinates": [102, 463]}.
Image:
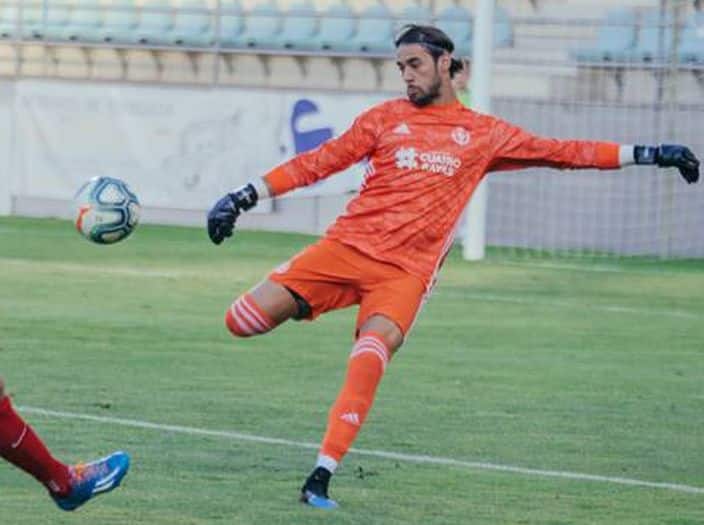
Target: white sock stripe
{"type": "Point", "coordinates": [376, 343]}
{"type": "Point", "coordinates": [19, 439]}
{"type": "Point", "coordinates": [241, 319]}
{"type": "Point", "coordinates": [367, 348]}
{"type": "Point", "coordinates": [370, 350]}
{"type": "Point", "coordinates": [258, 327]}
{"type": "Point", "coordinates": [250, 307]}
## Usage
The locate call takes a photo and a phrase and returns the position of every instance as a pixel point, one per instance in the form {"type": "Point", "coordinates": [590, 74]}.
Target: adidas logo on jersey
{"type": "Point", "coordinates": [402, 129]}
{"type": "Point", "coordinates": [351, 417]}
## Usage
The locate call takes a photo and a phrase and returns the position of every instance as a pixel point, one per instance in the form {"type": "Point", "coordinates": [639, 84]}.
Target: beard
{"type": "Point", "coordinates": [420, 98]}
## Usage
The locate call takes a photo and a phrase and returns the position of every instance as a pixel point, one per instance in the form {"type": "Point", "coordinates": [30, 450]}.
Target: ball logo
{"type": "Point", "coordinates": [460, 136]}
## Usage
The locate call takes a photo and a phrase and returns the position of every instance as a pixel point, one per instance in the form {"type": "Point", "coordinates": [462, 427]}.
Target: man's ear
{"type": "Point", "coordinates": [444, 63]}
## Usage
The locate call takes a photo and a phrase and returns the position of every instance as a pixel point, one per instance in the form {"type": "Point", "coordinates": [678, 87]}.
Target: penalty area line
{"type": "Point", "coordinates": [410, 458]}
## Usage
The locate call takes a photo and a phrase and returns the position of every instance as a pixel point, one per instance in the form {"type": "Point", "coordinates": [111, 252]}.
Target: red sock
{"type": "Point", "coordinates": [364, 371]}
{"type": "Point", "coordinates": [21, 446]}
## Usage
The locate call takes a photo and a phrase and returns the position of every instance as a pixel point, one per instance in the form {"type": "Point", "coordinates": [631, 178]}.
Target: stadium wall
{"type": "Point", "coordinates": [179, 148]}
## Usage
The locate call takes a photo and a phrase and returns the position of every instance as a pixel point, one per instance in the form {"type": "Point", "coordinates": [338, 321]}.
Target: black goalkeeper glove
{"type": "Point", "coordinates": [222, 216]}
{"type": "Point", "coordinates": [669, 156]}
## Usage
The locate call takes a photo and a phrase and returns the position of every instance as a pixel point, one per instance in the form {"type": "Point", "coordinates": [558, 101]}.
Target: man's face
{"type": "Point", "coordinates": [419, 71]}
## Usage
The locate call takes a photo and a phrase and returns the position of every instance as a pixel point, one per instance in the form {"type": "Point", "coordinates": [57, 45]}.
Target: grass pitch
{"type": "Point", "coordinates": [544, 364]}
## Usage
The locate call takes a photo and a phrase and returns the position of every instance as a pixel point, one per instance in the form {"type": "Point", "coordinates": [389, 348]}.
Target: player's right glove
{"type": "Point", "coordinates": [670, 156]}
{"type": "Point", "coordinates": [224, 213]}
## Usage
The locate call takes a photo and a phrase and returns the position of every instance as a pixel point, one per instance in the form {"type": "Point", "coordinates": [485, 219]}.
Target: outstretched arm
{"type": "Point", "coordinates": [516, 149]}
{"type": "Point", "coordinates": [305, 169]}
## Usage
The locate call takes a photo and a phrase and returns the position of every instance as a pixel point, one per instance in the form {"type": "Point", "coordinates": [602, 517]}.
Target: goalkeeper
{"type": "Point", "coordinates": [426, 153]}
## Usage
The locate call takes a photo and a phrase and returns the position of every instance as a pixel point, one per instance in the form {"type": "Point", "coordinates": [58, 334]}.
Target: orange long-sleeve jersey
{"type": "Point", "coordinates": [423, 165]}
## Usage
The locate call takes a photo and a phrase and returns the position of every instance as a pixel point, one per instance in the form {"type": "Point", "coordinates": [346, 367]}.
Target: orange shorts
{"type": "Point", "coordinates": [330, 275]}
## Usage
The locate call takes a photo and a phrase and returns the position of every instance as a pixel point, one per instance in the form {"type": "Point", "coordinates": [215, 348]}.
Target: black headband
{"type": "Point", "coordinates": [416, 35]}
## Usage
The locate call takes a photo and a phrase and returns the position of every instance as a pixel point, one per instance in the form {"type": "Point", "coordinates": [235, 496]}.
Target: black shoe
{"type": "Point", "coordinates": [314, 491]}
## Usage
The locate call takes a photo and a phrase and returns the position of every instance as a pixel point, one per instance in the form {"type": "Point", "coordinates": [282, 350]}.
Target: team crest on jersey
{"type": "Point", "coordinates": [460, 136]}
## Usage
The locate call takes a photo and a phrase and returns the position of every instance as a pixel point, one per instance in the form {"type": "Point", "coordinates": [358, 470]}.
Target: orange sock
{"type": "Point", "coordinates": [365, 369]}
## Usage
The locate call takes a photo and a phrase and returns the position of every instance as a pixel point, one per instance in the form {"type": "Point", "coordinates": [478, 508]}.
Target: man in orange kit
{"type": "Point", "coordinates": [426, 154]}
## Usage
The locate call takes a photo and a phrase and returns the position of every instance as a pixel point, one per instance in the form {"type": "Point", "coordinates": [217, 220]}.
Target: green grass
{"type": "Point", "coordinates": [594, 368]}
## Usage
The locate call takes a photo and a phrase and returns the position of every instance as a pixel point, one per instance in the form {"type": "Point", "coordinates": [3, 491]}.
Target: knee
{"type": "Point", "coordinates": [245, 318]}
{"type": "Point", "coordinates": [386, 329]}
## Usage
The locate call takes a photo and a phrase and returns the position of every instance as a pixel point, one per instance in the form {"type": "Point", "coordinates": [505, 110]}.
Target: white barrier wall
{"type": "Point", "coordinates": [178, 148]}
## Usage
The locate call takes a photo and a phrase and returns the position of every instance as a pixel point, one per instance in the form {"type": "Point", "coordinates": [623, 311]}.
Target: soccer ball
{"type": "Point", "coordinates": [107, 210]}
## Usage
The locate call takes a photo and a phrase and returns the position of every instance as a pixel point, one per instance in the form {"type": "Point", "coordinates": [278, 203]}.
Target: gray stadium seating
{"type": "Point", "coordinates": [374, 33]}
{"type": "Point", "coordinates": [262, 26]}
{"type": "Point", "coordinates": [84, 24]}
{"type": "Point", "coordinates": [120, 22]}
{"type": "Point", "coordinates": [457, 22]}
{"type": "Point", "coordinates": [691, 49]}
{"type": "Point", "coordinates": [615, 39]}
{"type": "Point", "coordinates": [193, 25]}
{"type": "Point", "coordinates": [337, 25]}
{"type": "Point", "coordinates": [155, 23]}
{"type": "Point", "coordinates": [654, 39]}
{"type": "Point", "coordinates": [300, 25]}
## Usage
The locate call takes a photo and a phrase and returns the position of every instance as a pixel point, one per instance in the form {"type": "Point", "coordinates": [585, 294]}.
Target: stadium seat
{"type": "Point", "coordinates": [415, 14]}
{"type": "Point", "coordinates": [155, 23]}
{"type": "Point", "coordinates": [178, 67]}
{"type": "Point", "coordinates": [57, 17]}
{"type": "Point", "coordinates": [649, 47]}
{"type": "Point", "coordinates": [322, 73]}
{"type": "Point", "coordinates": [85, 23]}
{"type": "Point", "coordinates": [71, 62]}
{"type": "Point", "coordinates": [299, 27]}
{"type": "Point", "coordinates": [108, 63]}
{"type": "Point", "coordinates": [231, 23]}
{"type": "Point", "coordinates": [691, 49]}
{"type": "Point", "coordinates": [142, 66]}
{"type": "Point", "coordinates": [120, 22]}
{"type": "Point", "coordinates": [285, 72]}
{"type": "Point", "coordinates": [374, 33]}
{"type": "Point", "coordinates": [193, 25]}
{"type": "Point", "coordinates": [457, 22]}
{"type": "Point", "coordinates": [503, 29]}
{"type": "Point", "coordinates": [615, 39]}
{"type": "Point", "coordinates": [391, 80]}
{"type": "Point", "coordinates": [36, 61]}
{"type": "Point", "coordinates": [244, 70]}
{"type": "Point", "coordinates": [261, 27]}
{"type": "Point", "coordinates": [359, 75]}
{"type": "Point", "coordinates": [8, 59]}
{"type": "Point", "coordinates": [337, 25]}
{"type": "Point", "coordinates": [31, 21]}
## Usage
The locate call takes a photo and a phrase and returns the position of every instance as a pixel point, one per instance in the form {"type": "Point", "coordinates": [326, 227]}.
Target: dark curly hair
{"type": "Point", "coordinates": [434, 40]}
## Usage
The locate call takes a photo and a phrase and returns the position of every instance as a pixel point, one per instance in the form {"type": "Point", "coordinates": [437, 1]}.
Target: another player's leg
{"type": "Point", "coordinates": [261, 310]}
{"type": "Point", "coordinates": [70, 486]}
{"type": "Point", "coordinates": [379, 337]}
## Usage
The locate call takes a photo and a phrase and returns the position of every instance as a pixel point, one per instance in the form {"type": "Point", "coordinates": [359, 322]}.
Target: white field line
{"type": "Point", "coordinates": [411, 458]}
{"type": "Point", "coordinates": [476, 296]}
{"type": "Point", "coordinates": [51, 266]}
{"type": "Point", "coordinates": [552, 303]}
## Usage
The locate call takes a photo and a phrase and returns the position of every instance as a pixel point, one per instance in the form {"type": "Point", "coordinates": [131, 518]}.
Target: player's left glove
{"type": "Point", "coordinates": [670, 156]}
{"type": "Point", "coordinates": [222, 216]}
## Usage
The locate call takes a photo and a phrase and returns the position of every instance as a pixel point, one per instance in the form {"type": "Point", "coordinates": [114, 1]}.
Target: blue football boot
{"type": "Point", "coordinates": [315, 490]}
{"type": "Point", "coordinates": [92, 479]}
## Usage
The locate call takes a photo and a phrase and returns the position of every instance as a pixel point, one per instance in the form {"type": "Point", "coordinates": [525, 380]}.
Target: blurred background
{"type": "Point", "coordinates": [186, 99]}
